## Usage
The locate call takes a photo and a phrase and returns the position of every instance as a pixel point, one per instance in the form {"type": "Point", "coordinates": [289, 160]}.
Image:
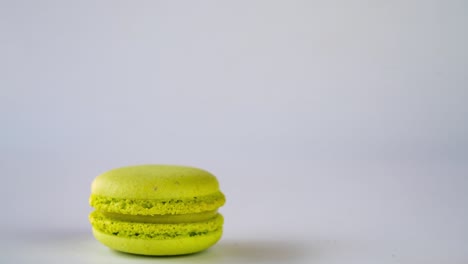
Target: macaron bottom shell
{"type": "Point", "coordinates": [159, 247]}
{"type": "Point", "coordinates": [184, 234]}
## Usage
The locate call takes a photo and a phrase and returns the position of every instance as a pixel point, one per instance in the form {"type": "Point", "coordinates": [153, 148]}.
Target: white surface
{"type": "Point", "coordinates": [338, 129]}
{"type": "Point", "coordinates": [375, 212]}
{"type": "Point", "coordinates": [82, 249]}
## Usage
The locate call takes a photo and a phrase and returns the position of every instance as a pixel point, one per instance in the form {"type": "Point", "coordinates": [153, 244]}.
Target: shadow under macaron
{"type": "Point", "coordinates": [235, 251]}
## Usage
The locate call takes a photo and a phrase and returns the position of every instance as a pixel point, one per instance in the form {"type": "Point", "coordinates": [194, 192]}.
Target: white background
{"type": "Point", "coordinates": [337, 129]}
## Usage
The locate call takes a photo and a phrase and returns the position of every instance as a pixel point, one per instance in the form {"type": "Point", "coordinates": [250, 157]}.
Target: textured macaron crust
{"type": "Point", "coordinates": [156, 209]}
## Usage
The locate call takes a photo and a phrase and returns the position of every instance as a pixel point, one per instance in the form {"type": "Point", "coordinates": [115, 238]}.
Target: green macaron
{"type": "Point", "coordinates": [157, 209]}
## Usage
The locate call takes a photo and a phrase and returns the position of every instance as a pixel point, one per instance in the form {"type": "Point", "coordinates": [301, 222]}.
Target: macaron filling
{"type": "Point", "coordinates": [162, 219]}
{"type": "Point", "coordinates": [122, 228]}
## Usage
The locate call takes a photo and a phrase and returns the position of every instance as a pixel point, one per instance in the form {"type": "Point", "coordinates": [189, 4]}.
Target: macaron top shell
{"type": "Point", "coordinates": [155, 182]}
{"type": "Point", "coordinates": [156, 190]}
